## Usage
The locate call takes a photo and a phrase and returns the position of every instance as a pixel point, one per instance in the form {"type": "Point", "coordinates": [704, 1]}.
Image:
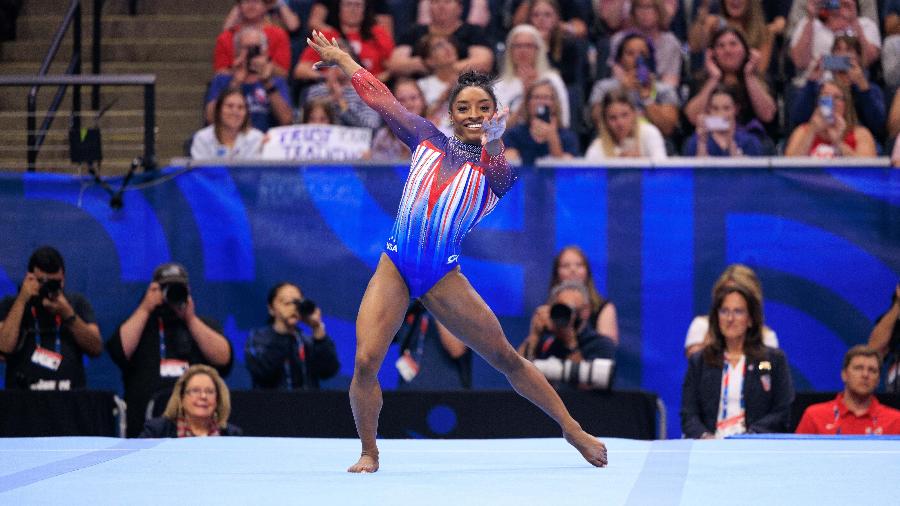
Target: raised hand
{"type": "Point", "coordinates": [494, 127]}
{"type": "Point", "coordinates": [329, 51]}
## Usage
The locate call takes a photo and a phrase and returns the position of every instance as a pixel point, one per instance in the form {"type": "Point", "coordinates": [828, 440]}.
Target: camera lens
{"type": "Point", "coordinates": [305, 307]}
{"type": "Point", "coordinates": [49, 289]}
{"type": "Point", "coordinates": [561, 315]}
{"type": "Point", "coordinates": [175, 294]}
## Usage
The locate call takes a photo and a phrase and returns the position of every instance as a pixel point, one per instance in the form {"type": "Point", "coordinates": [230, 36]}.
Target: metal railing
{"type": "Point", "coordinates": [72, 18]}
{"type": "Point", "coordinates": [147, 81]}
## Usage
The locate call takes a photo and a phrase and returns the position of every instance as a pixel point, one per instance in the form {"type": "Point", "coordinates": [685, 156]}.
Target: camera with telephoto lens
{"type": "Point", "coordinates": [597, 373]}
{"type": "Point", "coordinates": [49, 289]}
{"type": "Point", "coordinates": [560, 315]}
{"type": "Point", "coordinates": [175, 294]}
{"type": "Point", "coordinates": [305, 307]}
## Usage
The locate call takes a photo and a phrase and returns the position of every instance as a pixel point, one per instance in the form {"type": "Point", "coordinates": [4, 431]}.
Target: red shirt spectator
{"type": "Point", "coordinates": [279, 49]}
{"type": "Point", "coordinates": [371, 53]}
{"type": "Point", "coordinates": [835, 418]}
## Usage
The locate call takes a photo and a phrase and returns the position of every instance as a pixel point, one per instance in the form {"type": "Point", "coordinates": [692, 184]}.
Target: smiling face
{"type": "Point", "coordinates": [233, 112]}
{"type": "Point", "coordinates": [544, 17]}
{"type": "Point", "coordinates": [620, 119]}
{"type": "Point", "coordinates": [410, 97]}
{"type": "Point", "coordinates": [523, 50]}
{"type": "Point", "coordinates": [734, 317]}
{"type": "Point", "coordinates": [729, 53]}
{"type": "Point", "coordinates": [200, 397]}
{"type": "Point", "coordinates": [468, 111]}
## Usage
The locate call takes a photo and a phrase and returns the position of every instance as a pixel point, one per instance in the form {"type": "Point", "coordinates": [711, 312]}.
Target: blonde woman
{"type": "Point", "coordinates": [622, 132]}
{"type": "Point", "coordinates": [524, 63]}
{"type": "Point", "coordinates": [199, 406]}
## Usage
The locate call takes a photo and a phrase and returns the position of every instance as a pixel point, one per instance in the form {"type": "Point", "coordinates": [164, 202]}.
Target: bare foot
{"type": "Point", "coordinates": [590, 447]}
{"type": "Point", "coordinates": [367, 463]}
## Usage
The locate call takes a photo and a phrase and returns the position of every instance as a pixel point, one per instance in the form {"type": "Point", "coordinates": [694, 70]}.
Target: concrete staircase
{"type": "Point", "coordinates": [172, 39]}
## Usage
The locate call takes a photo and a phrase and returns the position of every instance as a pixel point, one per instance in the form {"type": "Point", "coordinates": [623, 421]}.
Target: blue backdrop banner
{"type": "Point", "coordinates": [825, 242]}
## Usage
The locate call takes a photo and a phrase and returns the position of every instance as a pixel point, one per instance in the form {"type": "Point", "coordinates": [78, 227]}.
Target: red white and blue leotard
{"type": "Point", "coordinates": [451, 186]}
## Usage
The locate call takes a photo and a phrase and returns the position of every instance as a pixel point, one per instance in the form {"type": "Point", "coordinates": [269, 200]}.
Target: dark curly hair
{"type": "Point", "coordinates": [474, 79]}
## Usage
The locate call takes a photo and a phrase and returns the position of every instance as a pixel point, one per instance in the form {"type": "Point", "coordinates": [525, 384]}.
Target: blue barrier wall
{"type": "Point", "coordinates": [826, 243]}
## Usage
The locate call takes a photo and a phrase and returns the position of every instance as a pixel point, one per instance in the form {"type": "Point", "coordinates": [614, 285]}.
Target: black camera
{"type": "Point", "coordinates": [175, 294]}
{"type": "Point", "coordinates": [561, 315]}
{"type": "Point", "coordinates": [305, 307]}
{"type": "Point", "coordinates": [252, 52]}
{"type": "Point", "coordinates": [49, 289]}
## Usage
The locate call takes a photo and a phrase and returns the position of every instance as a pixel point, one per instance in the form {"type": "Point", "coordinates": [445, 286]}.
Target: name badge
{"type": "Point", "coordinates": [407, 366]}
{"type": "Point", "coordinates": [46, 358]}
{"type": "Point", "coordinates": [172, 368]}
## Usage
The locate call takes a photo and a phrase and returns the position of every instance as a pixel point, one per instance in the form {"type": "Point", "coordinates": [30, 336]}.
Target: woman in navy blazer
{"type": "Point", "coordinates": [735, 356]}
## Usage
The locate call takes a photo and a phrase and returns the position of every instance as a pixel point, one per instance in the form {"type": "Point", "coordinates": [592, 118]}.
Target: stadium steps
{"type": "Point", "coordinates": [172, 39]}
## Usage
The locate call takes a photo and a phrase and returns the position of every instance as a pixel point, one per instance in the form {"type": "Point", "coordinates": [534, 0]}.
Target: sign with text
{"type": "Point", "coordinates": [317, 143]}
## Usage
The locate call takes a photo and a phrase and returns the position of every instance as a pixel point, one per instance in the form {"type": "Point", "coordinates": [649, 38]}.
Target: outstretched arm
{"type": "Point", "coordinates": [408, 127]}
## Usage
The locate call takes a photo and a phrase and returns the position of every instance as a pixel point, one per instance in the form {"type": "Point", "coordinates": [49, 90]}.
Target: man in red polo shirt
{"type": "Point", "coordinates": [855, 410]}
{"type": "Point", "coordinates": [253, 14]}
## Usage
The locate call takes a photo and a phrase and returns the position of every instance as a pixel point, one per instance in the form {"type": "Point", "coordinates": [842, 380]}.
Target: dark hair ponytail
{"type": "Point", "coordinates": [472, 78]}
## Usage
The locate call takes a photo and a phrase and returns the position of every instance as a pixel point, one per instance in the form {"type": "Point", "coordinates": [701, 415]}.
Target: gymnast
{"type": "Point", "coordinates": [453, 183]}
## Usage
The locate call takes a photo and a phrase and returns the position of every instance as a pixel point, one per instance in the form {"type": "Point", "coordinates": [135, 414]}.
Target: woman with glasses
{"type": "Point", "coordinates": [736, 384]}
{"type": "Point", "coordinates": [199, 406]}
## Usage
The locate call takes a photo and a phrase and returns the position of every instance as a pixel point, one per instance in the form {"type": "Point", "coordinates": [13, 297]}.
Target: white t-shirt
{"type": "Point", "coordinates": [510, 93]}
{"type": "Point", "coordinates": [247, 145]}
{"type": "Point", "coordinates": [731, 418]}
{"type": "Point", "coordinates": [700, 326]}
{"type": "Point", "coordinates": [651, 146]}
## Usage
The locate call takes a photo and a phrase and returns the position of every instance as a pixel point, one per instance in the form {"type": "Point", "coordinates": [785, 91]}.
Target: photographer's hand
{"type": "Point", "coordinates": [316, 324]}
{"type": "Point", "coordinates": [153, 297]}
{"type": "Point", "coordinates": [30, 287]}
{"type": "Point", "coordinates": [59, 305]}
{"type": "Point", "coordinates": [87, 335]}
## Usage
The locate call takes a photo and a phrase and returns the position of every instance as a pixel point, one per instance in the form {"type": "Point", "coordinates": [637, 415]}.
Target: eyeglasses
{"type": "Point", "coordinates": [197, 391]}
{"type": "Point", "coordinates": [737, 313]}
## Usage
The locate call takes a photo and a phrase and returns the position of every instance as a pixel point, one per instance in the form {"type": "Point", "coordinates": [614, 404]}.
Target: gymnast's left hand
{"type": "Point", "coordinates": [493, 128]}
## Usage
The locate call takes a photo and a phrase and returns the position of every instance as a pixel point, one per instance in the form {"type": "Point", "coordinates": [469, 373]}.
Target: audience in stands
{"type": "Point", "coordinates": [386, 146]}
{"type": "Point", "coordinates": [275, 39]}
{"type": "Point", "coordinates": [476, 12]}
{"type": "Point", "coordinates": [45, 331]}
{"type": "Point", "coordinates": [649, 19]}
{"type": "Point", "coordinates": [845, 69]}
{"type": "Point", "coordinates": [885, 339]}
{"type": "Point", "coordinates": [346, 106]}
{"type": "Point", "coordinates": [717, 132]}
{"type": "Point", "coordinates": [318, 112]}
{"type": "Point", "coordinates": [799, 10]}
{"type": "Point", "coordinates": [199, 406]}
{"type": "Point", "coordinates": [431, 358]}
{"type": "Point", "coordinates": [567, 333]}
{"type": "Point", "coordinates": [230, 136]}
{"type": "Point", "coordinates": [161, 339]}
{"type": "Point", "coordinates": [736, 384]}
{"type": "Point", "coordinates": [278, 11]}
{"type": "Point", "coordinates": [567, 52]}
{"type": "Point", "coordinates": [832, 130]}
{"type": "Point", "coordinates": [540, 133]}
{"type": "Point", "coordinates": [890, 55]}
{"type": "Point", "coordinates": [570, 17]}
{"type": "Point", "coordinates": [369, 43]}
{"type": "Point", "coordinates": [745, 15]}
{"type": "Point", "coordinates": [446, 19]}
{"type": "Point", "coordinates": [635, 72]}
{"type": "Point", "coordinates": [616, 14]}
{"type": "Point", "coordinates": [252, 72]}
{"type": "Point", "coordinates": [622, 132]}
{"type": "Point", "coordinates": [321, 14]}
{"type": "Point", "coordinates": [734, 275]}
{"type": "Point", "coordinates": [729, 61]}
{"type": "Point", "coordinates": [525, 63]}
{"type": "Point", "coordinates": [814, 35]}
{"type": "Point", "coordinates": [280, 355]}
{"type": "Point", "coordinates": [856, 410]}
{"type": "Point", "coordinates": [440, 54]}
{"type": "Point", "coordinates": [571, 265]}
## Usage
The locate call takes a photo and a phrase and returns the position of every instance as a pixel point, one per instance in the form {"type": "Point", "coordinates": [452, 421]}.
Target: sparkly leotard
{"type": "Point", "coordinates": [451, 186]}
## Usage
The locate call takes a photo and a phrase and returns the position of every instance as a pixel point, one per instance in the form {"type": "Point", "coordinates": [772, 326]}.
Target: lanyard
{"type": "Point", "coordinates": [420, 342]}
{"type": "Point", "coordinates": [837, 420]}
{"type": "Point", "coordinates": [37, 331]}
{"type": "Point", "coordinates": [301, 363]}
{"type": "Point", "coordinates": [725, 390]}
{"type": "Point", "coordinates": [162, 337]}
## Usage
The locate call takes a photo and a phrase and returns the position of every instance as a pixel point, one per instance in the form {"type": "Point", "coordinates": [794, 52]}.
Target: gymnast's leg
{"type": "Point", "coordinates": [380, 315]}
{"type": "Point", "coordinates": [457, 306]}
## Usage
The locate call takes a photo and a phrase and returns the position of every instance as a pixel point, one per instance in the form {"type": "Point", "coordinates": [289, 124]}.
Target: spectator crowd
{"type": "Point", "coordinates": [598, 80]}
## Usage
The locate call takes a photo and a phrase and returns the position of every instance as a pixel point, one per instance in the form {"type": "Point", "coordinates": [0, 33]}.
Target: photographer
{"type": "Point", "coordinates": [279, 355]}
{"type": "Point", "coordinates": [566, 333]}
{"type": "Point", "coordinates": [253, 72]}
{"type": "Point", "coordinates": [161, 339]}
{"type": "Point", "coordinates": [44, 331]}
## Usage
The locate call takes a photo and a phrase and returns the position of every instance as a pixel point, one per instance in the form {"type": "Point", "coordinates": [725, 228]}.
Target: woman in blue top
{"type": "Point", "coordinates": [453, 183]}
{"type": "Point", "coordinates": [718, 133]}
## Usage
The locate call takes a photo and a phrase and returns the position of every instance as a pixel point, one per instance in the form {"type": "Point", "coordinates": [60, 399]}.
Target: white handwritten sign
{"type": "Point", "coordinates": [316, 143]}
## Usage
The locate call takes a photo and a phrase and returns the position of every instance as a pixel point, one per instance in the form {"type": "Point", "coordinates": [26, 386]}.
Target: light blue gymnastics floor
{"type": "Point", "coordinates": [219, 471]}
